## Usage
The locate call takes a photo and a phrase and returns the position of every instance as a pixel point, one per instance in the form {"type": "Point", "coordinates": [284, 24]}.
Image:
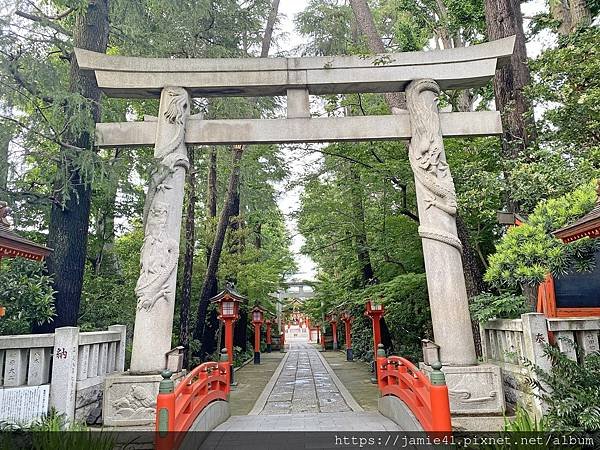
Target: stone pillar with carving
{"type": "Point", "coordinates": [155, 289]}
{"type": "Point", "coordinates": [436, 201]}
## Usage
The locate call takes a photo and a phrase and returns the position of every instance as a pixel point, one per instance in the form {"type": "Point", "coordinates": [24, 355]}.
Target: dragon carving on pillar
{"type": "Point", "coordinates": [158, 259]}
{"type": "Point", "coordinates": [427, 157]}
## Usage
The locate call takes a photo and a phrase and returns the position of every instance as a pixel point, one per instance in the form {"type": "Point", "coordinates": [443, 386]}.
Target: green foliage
{"type": "Point", "coordinates": [26, 294]}
{"type": "Point", "coordinates": [567, 86]}
{"type": "Point", "coordinates": [570, 390]}
{"type": "Point", "coordinates": [109, 298]}
{"type": "Point", "coordinates": [407, 313]}
{"type": "Point", "coordinates": [527, 253]}
{"type": "Point", "coordinates": [487, 306]}
{"type": "Point", "coordinates": [54, 432]}
{"type": "Point", "coordinates": [523, 423]}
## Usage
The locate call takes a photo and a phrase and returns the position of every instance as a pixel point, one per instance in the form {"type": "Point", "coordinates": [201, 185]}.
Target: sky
{"type": "Point", "coordinates": [287, 40]}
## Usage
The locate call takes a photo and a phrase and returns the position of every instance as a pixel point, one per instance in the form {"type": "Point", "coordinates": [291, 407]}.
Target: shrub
{"type": "Point", "coordinates": [26, 294]}
{"type": "Point", "coordinates": [488, 306]}
{"type": "Point", "coordinates": [527, 253]}
{"type": "Point", "coordinates": [570, 390]}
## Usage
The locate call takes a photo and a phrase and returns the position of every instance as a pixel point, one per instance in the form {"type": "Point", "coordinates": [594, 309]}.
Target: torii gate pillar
{"type": "Point", "coordinates": [156, 286]}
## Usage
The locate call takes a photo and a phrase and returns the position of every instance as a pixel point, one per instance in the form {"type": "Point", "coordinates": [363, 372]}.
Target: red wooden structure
{"type": "Point", "coordinates": [332, 318]}
{"type": "Point", "coordinates": [257, 320]}
{"type": "Point", "coordinates": [427, 399]}
{"type": "Point", "coordinates": [177, 409]}
{"type": "Point", "coordinates": [375, 311]}
{"type": "Point", "coordinates": [347, 319]}
{"type": "Point", "coordinates": [587, 226]}
{"type": "Point", "coordinates": [229, 311]}
{"type": "Point", "coordinates": [12, 245]}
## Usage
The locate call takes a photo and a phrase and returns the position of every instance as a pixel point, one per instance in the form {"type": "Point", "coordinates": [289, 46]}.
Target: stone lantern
{"type": "Point", "coordinates": [347, 319]}
{"type": "Point", "coordinates": [228, 302]}
{"type": "Point", "coordinates": [257, 320]}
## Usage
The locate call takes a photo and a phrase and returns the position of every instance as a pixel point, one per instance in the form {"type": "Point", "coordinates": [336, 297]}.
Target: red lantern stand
{"type": "Point", "coordinates": [257, 320]}
{"type": "Point", "coordinates": [375, 311]}
{"type": "Point", "coordinates": [332, 318]}
{"type": "Point", "coordinates": [347, 319]}
{"type": "Point", "coordinates": [229, 311]}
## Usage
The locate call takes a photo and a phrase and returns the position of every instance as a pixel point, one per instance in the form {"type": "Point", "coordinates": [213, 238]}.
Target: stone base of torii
{"type": "Point", "coordinates": [474, 388]}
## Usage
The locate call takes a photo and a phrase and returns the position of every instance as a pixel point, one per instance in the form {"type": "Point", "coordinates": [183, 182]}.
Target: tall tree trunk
{"type": "Point", "coordinates": [360, 234]}
{"type": "Point", "coordinates": [503, 19]}
{"type": "Point", "coordinates": [240, 332]}
{"type": "Point", "coordinates": [211, 203]}
{"type": "Point", "coordinates": [266, 42]}
{"type": "Point", "coordinates": [5, 137]}
{"type": "Point", "coordinates": [581, 15]}
{"type": "Point", "coordinates": [209, 286]}
{"type": "Point", "coordinates": [188, 259]}
{"type": "Point", "coordinates": [571, 15]}
{"type": "Point", "coordinates": [473, 274]}
{"type": "Point", "coordinates": [365, 22]}
{"type": "Point", "coordinates": [69, 222]}
{"type": "Point", "coordinates": [559, 10]}
{"type": "Point", "coordinates": [105, 260]}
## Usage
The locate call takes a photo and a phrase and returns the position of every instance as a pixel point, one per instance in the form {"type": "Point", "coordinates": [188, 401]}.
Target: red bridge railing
{"type": "Point", "coordinates": [178, 408]}
{"type": "Point", "coordinates": [427, 398]}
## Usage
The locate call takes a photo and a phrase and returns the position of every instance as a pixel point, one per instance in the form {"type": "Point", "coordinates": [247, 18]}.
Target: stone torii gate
{"type": "Point", "coordinates": [421, 74]}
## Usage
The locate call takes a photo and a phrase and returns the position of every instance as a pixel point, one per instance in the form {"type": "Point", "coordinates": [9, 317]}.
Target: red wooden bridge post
{"type": "Point", "coordinates": [268, 323]}
{"type": "Point", "coordinates": [381, 366]}
{"type": "Point", "coordinates": [224, 367]}
{"type": "Point", "coordinates": [164, 438]}
{"type": "Point", "coordinates": [440, 403]}
{"type": "Point", "coordinates": [347, 318]}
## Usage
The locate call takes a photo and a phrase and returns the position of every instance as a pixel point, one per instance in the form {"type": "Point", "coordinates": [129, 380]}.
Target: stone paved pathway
{"type": "Point", "coordinates": [304, 386]}
{"type": "Point", "coordinates": [305, 395]}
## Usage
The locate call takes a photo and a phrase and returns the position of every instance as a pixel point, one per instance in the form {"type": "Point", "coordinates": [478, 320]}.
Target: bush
{"type": "Point", "coordinates": [527, 253]}
{"type": "Point", "coordinates": [48, 433]}
{"type": "Point", "coordinates": [488, 306]}
{"type": "Point", "coordinates": [26, 294]}
{"type": "Point", "coordinates": [570, 390]}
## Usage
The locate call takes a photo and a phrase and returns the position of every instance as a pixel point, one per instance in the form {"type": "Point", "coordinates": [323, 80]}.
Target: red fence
{"type": "Point", "coordinates": [176, 409]}
{"type": "Point", "coordinates": [426, 399]}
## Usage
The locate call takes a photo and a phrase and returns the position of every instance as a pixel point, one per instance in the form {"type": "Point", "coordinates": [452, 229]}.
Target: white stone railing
{"type": "Point", "coordinates": [74, 365]}
{"type": "Point", "coordinates": [584, 331]}
{"type": "Point", "coordinates": [507, 343]}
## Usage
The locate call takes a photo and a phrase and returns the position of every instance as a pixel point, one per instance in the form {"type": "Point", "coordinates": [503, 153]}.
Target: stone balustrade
{"type": "Point", "coordinates": [507, 343]}
{"type": "Point", "coordinates": [583, 331]}
{"type": "Point", "coordinates": [73, 364]}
